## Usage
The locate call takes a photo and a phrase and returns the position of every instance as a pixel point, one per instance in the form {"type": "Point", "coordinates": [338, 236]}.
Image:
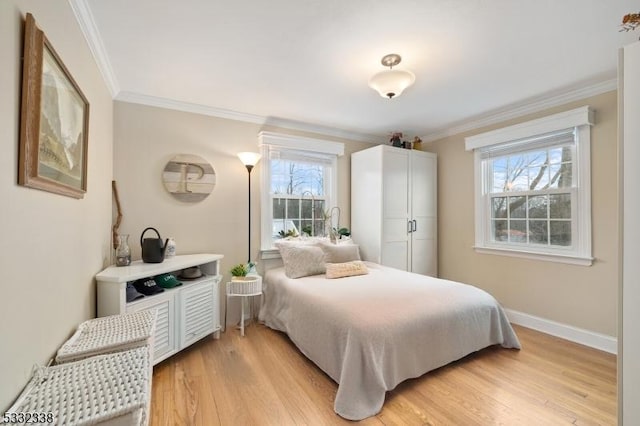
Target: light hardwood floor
{"type": "Point", "coordinates": [262, 379]}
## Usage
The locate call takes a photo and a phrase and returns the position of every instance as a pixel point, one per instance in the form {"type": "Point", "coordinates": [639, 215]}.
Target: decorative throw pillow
{"type": "Point", "coordinates": [302, 260]}
{"type": "Point", "coordinates": [347, 269]}
{"type": "Point", "coordinates": [340, 253]}
{"type": "Point", "coordinates": [299, 241]}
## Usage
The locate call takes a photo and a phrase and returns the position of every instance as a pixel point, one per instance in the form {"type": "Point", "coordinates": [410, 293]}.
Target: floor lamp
{"type": "Point", "coordinates": [249, 159]}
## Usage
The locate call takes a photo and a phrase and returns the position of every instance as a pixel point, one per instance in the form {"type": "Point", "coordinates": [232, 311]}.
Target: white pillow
{"type": "Point", "coordinates": [340, 253]}
{"type": "Point", "coordinates": [347, 269]}
{"type": "Point", "coordinates": [302, 260]}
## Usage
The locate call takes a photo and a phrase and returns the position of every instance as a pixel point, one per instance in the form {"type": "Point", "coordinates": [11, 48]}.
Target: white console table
{"type": "Point", "coordinates": [186, 313]}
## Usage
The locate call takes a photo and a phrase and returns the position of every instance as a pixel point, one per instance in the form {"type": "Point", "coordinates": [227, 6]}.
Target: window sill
{"type": "Point", "coordinates": [270, 254]}
{"type": "Point", "coordinates": [558, 258]}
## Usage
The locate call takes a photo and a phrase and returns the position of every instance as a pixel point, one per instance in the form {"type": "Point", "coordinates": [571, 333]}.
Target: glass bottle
{"type": "Point", "coordinates": [170, 250]}
{"type": "Point", "coordinates": [123, 252]}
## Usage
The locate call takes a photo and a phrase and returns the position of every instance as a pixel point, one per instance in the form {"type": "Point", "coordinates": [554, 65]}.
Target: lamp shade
{"type": "Point", "coordinates": [249, 158]}
{"type": "Point", "coordinates": [391, 83]}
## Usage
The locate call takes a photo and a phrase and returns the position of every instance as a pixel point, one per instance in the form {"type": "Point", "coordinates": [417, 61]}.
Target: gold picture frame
{"type": "Point", "coordinates": [54, 120]}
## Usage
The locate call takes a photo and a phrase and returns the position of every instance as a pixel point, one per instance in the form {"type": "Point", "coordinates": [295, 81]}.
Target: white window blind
{"type": "Point", "coordinates": [560, 138]}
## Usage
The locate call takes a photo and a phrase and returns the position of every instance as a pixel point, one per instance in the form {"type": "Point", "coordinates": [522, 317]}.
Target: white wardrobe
{"type": "Point", "coordinates": [394, 207]}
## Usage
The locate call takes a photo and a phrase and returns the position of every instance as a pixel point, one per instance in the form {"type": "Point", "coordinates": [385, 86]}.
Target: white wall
{"type": "Point", "coordinates": [52, 245]}
{"type": "Point", "coordinates": [629, 360]}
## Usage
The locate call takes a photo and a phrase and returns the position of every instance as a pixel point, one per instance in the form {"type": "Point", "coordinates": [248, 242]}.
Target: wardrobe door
{"type": "Point", "coordinates": [396, 225]}
{"type": "Point", "coordinates": [423, 189]}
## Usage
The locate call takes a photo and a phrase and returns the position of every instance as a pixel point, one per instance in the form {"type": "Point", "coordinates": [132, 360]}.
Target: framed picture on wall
{"type": "Point", "coordinates": [54, 120]}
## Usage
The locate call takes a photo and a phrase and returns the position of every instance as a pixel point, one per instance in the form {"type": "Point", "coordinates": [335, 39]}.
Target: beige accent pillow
{"type": "Point", "coordinates": [340, 253]}
{"type": "Point", "coordinates": [347, 269]}
{"type": "Point", "coordinates": [302, 260]}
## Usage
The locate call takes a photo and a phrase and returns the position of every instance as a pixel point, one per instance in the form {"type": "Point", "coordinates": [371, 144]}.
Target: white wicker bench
{"type": "Point", "coordinates": [110, 334]}
{"type": "Point", "coordinates": [111, 389]}
{"type": "Point", "coordinates": [103, 375]}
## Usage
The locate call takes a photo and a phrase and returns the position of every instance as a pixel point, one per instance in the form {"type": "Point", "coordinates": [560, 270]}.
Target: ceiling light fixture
{"type": "Point", "coordinates": [391, 83]}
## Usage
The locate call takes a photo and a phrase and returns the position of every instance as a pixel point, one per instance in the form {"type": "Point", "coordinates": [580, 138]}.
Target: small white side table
{"type": "Point", "coordinates": [243, 288]}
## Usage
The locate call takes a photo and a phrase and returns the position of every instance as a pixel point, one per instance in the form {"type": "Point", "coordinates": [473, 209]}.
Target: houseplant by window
{"type": "Point", "coordinates": [240, 271]}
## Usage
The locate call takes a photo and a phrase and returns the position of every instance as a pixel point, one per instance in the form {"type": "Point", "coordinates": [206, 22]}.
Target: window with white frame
{"type": "Point", "coordinates": [299, 185]}
{"type": "Point", "coordinates": [533, 188]}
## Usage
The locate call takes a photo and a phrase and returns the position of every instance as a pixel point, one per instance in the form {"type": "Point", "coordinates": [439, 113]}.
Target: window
{"type": "Point", "coordinates": [299, 193]}
{"type": "Point", "coordinates": [533, 188]}
{"type": "Point", "coordinates": [299, 185]}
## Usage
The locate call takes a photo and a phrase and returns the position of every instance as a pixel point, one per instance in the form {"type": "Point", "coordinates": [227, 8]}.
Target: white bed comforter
{"type": "Point", "coordinates": [371, 332]}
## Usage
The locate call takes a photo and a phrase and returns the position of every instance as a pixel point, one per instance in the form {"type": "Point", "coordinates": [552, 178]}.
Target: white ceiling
{"type": "Point", "coordinates": [306, 63]}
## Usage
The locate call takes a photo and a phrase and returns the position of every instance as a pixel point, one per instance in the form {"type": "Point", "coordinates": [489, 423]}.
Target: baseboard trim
{"type": "Point", "coordinates": [568, 332]}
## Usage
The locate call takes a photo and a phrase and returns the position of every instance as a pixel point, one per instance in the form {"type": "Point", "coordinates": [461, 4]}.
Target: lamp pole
{"type": "Point", "coordinates": [249, 168]}
{"type": "Point", "coordinates": [249, 159]}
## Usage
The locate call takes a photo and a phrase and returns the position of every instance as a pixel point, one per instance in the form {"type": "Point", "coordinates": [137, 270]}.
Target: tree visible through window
{"type": "Point", "coordinates": [531, 197]}
{"type": "Point", "coordinates": [298, 191]}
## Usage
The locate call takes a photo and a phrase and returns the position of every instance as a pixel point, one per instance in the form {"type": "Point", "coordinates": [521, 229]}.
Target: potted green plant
{"type": "Point", "coordinates": [343, 232]}
{"type": "Point", "coordinates": [288, 233]}
{"type": "Point", "coordinates": [239, 272]}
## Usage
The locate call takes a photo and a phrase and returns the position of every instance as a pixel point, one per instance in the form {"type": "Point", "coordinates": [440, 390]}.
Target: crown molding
{"type": "Point", "coordinates": [519, 109]}
{"type": "Point", "coordinates": [298, 142]}
{"type": "Point", "coordinates": [92, 35]}
{"type": "Point", "coordinates": [325, 130]}
{"type": "Point", "coordinates": [138, 98]}
{"type": "Point", "coordinates": [581, 116]}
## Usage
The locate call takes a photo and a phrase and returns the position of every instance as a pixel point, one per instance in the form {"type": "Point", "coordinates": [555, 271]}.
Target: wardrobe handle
{"type": "Point", "coordinates": [414, 228]}
{"type": "Point", "coordinates": [409, 227]}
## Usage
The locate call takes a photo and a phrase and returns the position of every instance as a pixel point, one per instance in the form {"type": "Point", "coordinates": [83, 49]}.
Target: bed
{"type": "Point", "coordinates": [371, 332]}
